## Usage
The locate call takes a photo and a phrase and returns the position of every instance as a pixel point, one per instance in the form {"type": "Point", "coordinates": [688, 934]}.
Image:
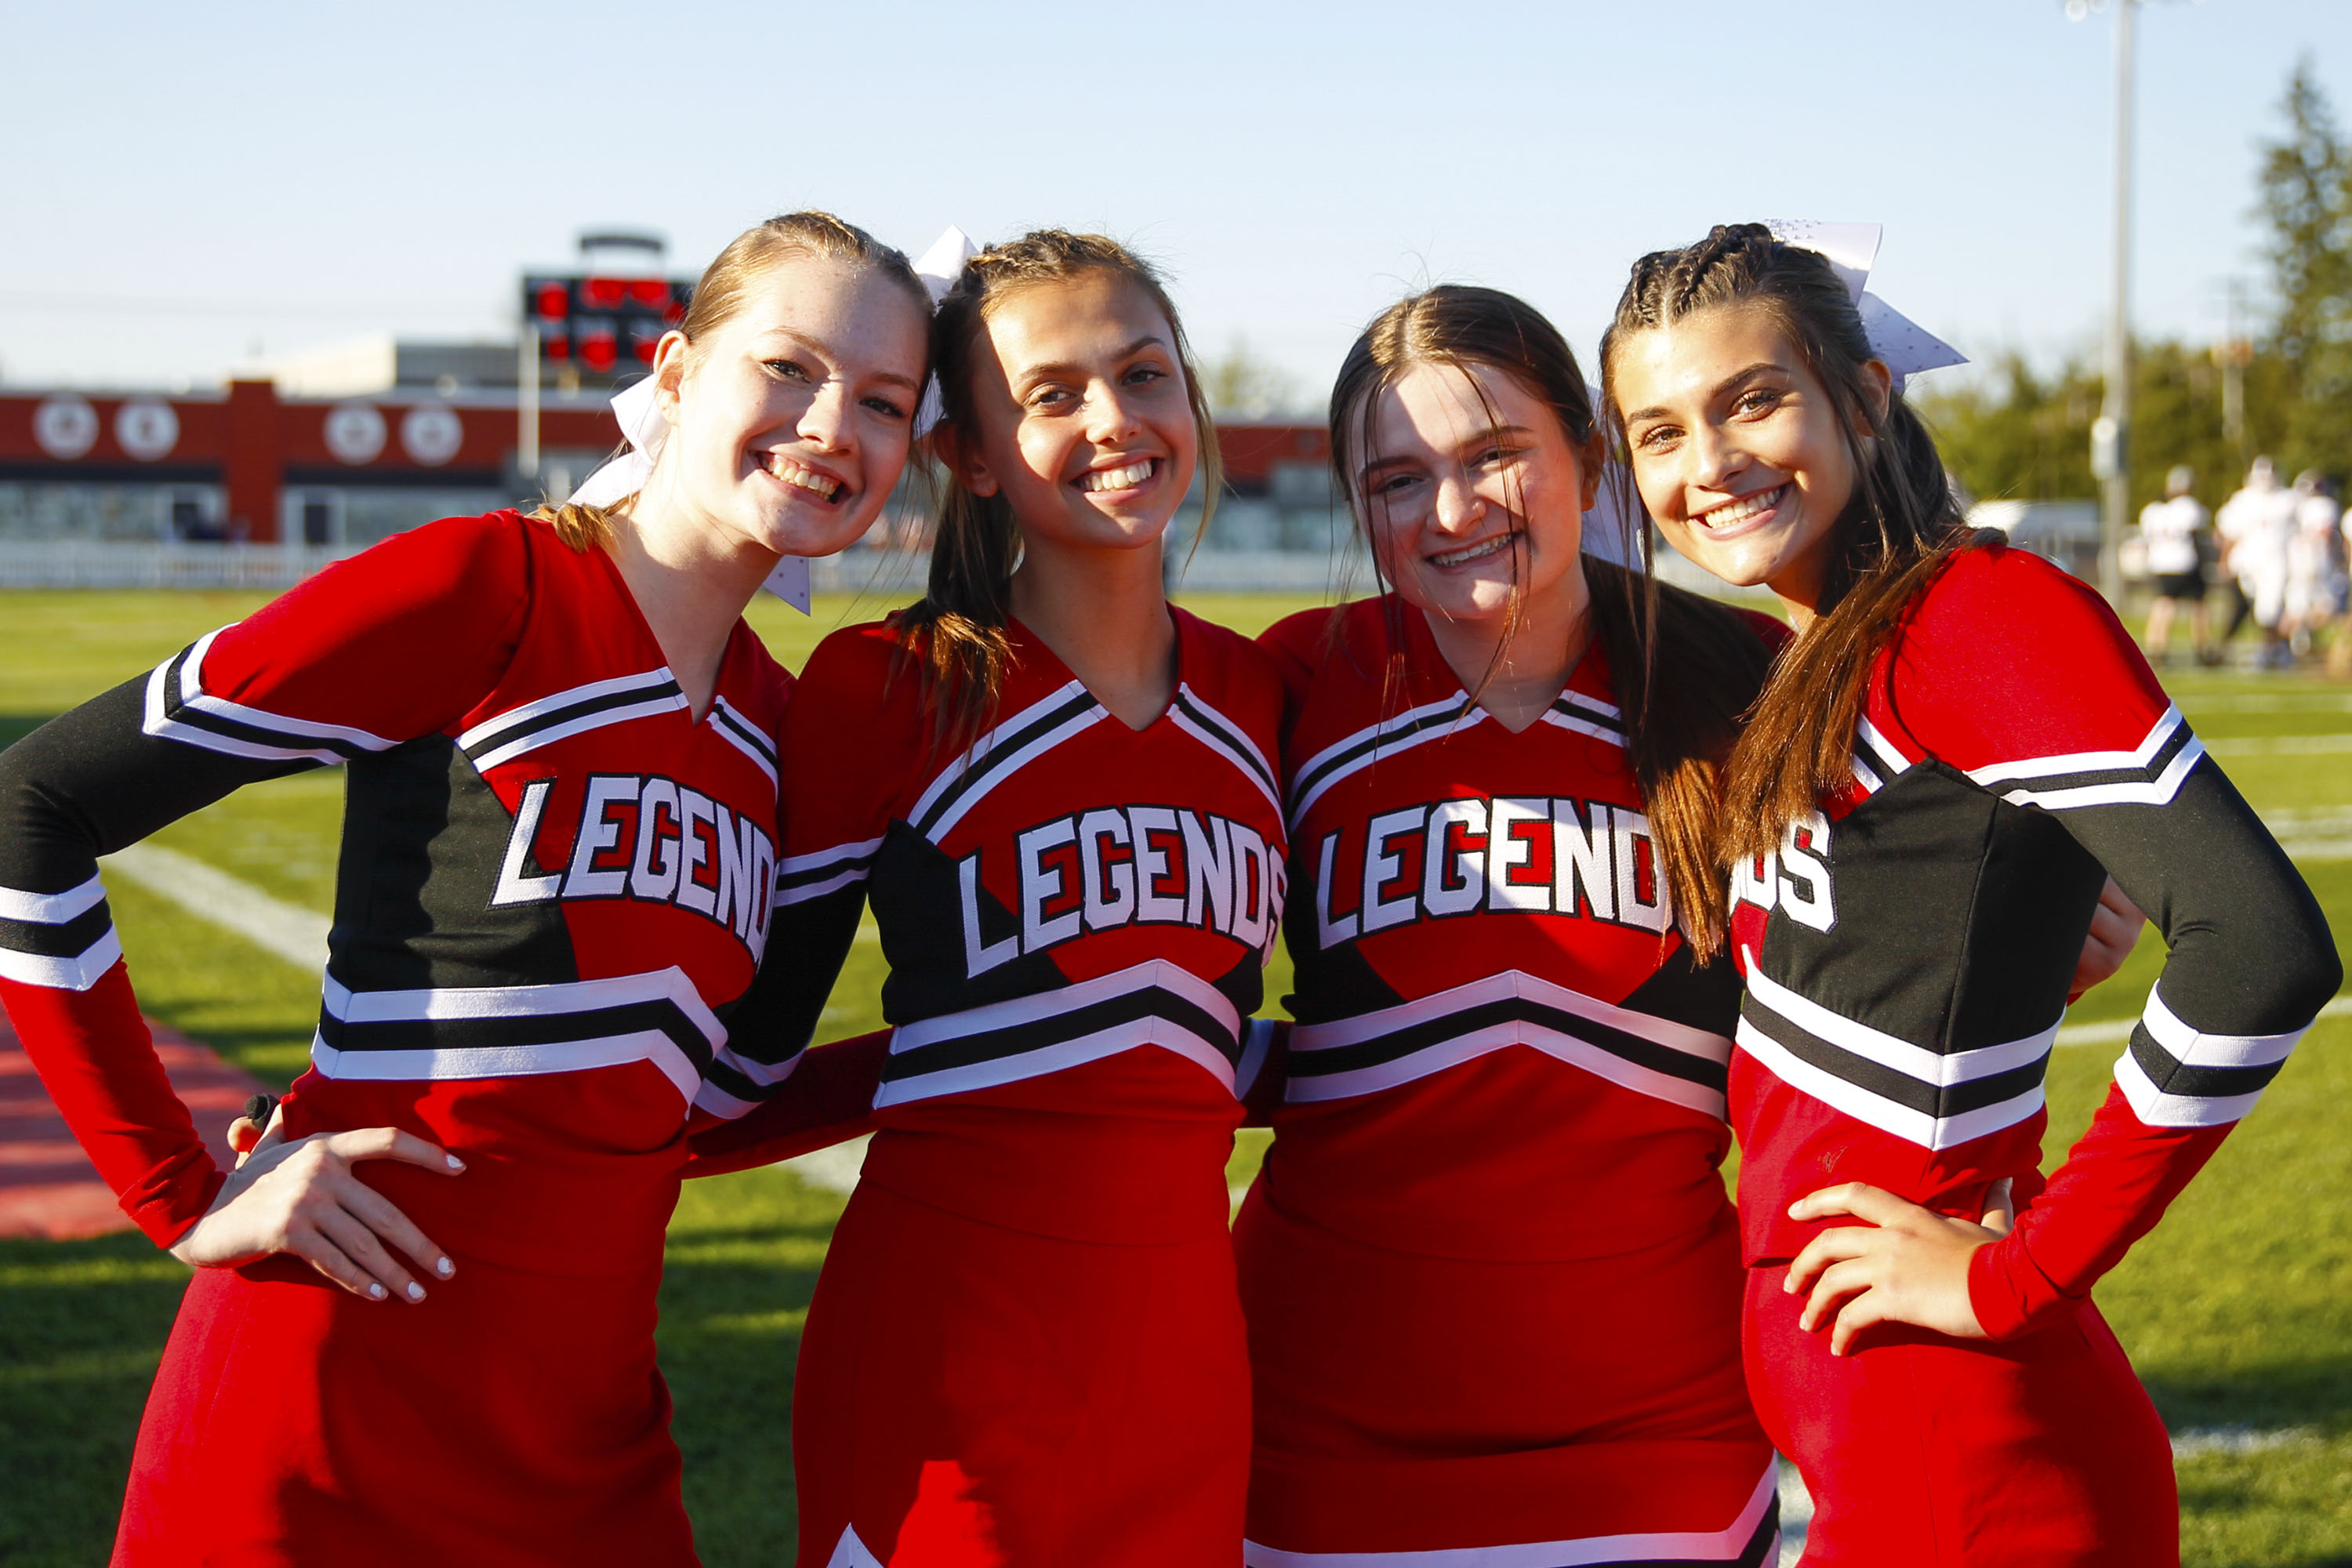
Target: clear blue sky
{"type": "Point", "coordinates": [280, 176]}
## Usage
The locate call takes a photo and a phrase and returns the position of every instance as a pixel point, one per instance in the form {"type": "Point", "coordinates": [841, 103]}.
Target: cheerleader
{"type": "Point", "coordinates": [1054, 791]}
{"type": "Point", "coordinates": [1490, 1270]}
{"type": "Point", "coordinates": [421, 1324]}
{"type": "Point", "coordinates": [1958, 739]}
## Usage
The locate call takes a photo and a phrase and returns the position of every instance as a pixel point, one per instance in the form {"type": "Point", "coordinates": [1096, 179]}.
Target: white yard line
{"type": "Point", "coordinates": [2117, 1030]}
{"type": "Point", "coordinates": [834, 1169]}
{"type": "Point", "coordinates": [295, 934]}
{"type": "Point", "coordinates": [2279, 745]}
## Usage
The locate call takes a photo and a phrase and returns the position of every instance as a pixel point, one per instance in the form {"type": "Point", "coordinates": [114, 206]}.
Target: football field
{"type": "Point", "coordinates": [2237, 1310]}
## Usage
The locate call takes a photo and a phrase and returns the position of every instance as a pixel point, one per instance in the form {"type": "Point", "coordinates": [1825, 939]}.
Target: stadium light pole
{"type": "Point", "coordinates": [2111, 432]}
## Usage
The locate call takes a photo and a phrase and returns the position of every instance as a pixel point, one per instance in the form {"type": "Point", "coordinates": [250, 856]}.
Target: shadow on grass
{"type": "Point", "coordinates": [85, 1322]}
{"type": "Point", "coordinates": [2310, 1392]}
{"type": "Point", "coordinates": [83, 1330]}
{"type": "Point", "coordinates": [730, 1333]}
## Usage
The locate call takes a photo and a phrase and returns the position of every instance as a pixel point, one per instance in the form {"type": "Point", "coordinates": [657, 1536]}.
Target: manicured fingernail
{"type": "Point", "coordinates": [415, 1291]}
{"type": "Point", "coordinates": [375, 1291]}
{"type": "Point", "coordinates": [455, 1163]}
{"type": "Point", "coordinates": [444, 1267]}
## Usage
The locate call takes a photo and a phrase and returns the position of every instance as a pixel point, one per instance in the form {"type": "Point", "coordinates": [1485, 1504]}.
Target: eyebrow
{"type": "Point", "coordinates": [1490, 434]}
{"type": "Point", "coordinates": [825, 350]}
{"type": "Point", "coordinates": [1725, 385]}
{"type": "Point", "coordinates": [1030, 372]}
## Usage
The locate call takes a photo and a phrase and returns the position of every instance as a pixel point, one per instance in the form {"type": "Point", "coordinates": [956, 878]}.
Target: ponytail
{"type": "Point", "coordinates": [957, 632]}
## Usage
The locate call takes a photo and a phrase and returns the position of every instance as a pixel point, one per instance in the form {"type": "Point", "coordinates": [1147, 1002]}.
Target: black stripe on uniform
{"type": "Point", "coordinates": [1036, 1033]}
{"type": "Point", "coordinates": [1888, 1083]}
{"type": "Point", "coordinates": [725, 716]}
{"type": "Point", "coordinates": [787, 880]}
{"type": "Point", "coordinates": [68, 939]}
{"type": "Point", "coordinates": [999, 754]}
{"type": "Point", "coordinates": [2172, 1076]}
{"type": "Point", "coordinates": [180, 712]}
{"type": "Point", "coordinates": [1414, 1038]}
{"type": "Point", "coordinates": [1592, 716]}
{"type": "Point", "coordinates": [514, 1031]}
{"type": "Point", "coordinates": [740, 1085]}
{"type": "Point", "coordinates": [2093, 778]}
{"type": "Point", "coordinates": [583, 709]}
{"type": "Point", "coordinates": [1216, 725]}
{"type": "Point", "coordinates": [1374, 741]}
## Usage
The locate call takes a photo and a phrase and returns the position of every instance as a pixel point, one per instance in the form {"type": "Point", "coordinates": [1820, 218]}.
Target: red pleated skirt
{"type": "Point", "coordinates": [511, 1418]}
{"type": "Point", "coordinates": [1943, 1453]}
{"type": "Point", "coordinates": [970, 1394]}
{"type": "Point", "coordinates": [1407, 1403]}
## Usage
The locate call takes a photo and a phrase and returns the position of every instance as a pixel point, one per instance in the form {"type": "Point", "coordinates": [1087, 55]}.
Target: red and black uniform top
{"type": "Point", "coordinates": [1075, 915]}
{"type": "Point", "coordinates": [1908, 949]}
{"type": "Point", "coordinates": [1503, 1047]}
{"type": "Point", "coordinates": [554, 888]}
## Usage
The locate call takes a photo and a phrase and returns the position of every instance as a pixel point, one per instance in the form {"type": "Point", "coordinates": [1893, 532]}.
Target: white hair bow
{"type": "Point", "coordinates": [1907, 347]}
{"type": "Point", "coordinates": [637, 407]}
{"type": "Point", "coordinates": [939, 267]}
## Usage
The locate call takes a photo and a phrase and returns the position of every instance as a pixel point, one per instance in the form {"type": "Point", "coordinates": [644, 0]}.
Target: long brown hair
{"type": "Point", "coordinates": [958, 627]}
{"type": "Point", "coordinates": [1683, 667]}
{"type": "Point", "coordinates": [1899, 530]}
{"type": "Point", "coordinates": [720, 294]}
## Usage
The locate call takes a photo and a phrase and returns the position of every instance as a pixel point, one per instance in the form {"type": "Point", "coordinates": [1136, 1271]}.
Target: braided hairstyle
{"type": "Point", "coordinates": [958, 629]}
{"type": "Point", "coordinates": [1900, 528]}
{"type": "Point", "coordinates": [1684, 668]}
{"type": "Point", "coordinates": [720, 294]}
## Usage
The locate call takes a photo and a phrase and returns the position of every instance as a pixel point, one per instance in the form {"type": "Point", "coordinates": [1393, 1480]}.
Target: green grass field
{"type": "Point", "coordinates": [2238, 1312]}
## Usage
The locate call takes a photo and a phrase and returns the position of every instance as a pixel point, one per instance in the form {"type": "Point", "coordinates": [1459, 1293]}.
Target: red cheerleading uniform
{"type": "Point", "coordinates": [1024, 1347]}
{"type": "Point", "coordinates": [554, 890]}
{"type": "Point", "coordinates": [1490, 1269]}
{"type": "Point", "coordinates": [1907, 954]}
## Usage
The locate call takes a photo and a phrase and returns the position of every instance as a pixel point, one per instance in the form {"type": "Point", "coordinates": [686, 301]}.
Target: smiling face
{"type": "Point", "coordinates": [1740, 455]}
{"type": "Point", "coordinates": [791, 418]}
{"type": "Point", "coordinates": [1082, 418]}
{"type": "Point", "coordinates": [1469, 484]}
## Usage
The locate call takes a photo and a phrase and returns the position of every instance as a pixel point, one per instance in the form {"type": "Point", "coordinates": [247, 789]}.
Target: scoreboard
{"type": "Point", "coordinates": [603, 325]}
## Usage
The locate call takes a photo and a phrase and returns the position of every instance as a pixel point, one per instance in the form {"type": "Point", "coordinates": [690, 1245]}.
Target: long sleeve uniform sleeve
{"type": "Point", "coordinates": [388, 646]}
{"type": "Point", "coordinates": [2082, 730]}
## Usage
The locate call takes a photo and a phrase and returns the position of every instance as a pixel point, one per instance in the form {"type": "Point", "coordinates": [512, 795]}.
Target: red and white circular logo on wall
{"type": "Point", "coordinates": [146, 428]}
{"type": "Point", "coordinates": [355, 432]}
{"type": "Point", "coordinates": [66, 426]}
{"type": "Point", "coordinates": [431, 434]}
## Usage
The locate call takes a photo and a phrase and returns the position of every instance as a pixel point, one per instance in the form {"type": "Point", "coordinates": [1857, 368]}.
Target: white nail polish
{"type": "Point", "coordinates": [444, 1267]}
{"type": "Point", "coordinates": [375, 1291]}
{"type": "Point", "coordinates": [455, 1163]}
{"type": "Point", "coordinates": [415, 1291]}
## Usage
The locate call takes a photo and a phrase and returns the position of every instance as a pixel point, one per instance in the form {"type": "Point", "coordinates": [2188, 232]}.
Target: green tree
{"type": "Point", "coordinates": [1241, 385]}
{"type": "Point", "coordinates": [2012, 434]}
{"type": "Point", "coordinates": [2306, 201]}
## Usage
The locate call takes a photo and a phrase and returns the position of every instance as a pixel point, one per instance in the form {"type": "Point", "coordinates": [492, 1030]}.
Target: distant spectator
{"type": "Point", "coordinates": [2315, 577]}
{"type": "Point", "coordinates": [2172, 531]}
{"type": "Point", "coordinates": [2254, 525]}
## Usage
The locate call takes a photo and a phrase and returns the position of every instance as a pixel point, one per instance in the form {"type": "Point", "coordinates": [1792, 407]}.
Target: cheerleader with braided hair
{"type": "Point", "coordinates": [1958, 740]}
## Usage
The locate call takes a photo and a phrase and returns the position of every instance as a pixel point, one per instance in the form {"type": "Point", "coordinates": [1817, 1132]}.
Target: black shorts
{"type": "Point", "coordinates": [2181, 585]}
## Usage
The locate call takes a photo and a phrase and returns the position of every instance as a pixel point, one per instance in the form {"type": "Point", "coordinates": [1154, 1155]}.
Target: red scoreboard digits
{"type": "Point", "coordinates": [602, 325]}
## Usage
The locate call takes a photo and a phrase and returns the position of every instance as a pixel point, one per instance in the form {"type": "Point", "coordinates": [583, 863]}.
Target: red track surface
{"type": "Point", "coordinates": [47, 1187]}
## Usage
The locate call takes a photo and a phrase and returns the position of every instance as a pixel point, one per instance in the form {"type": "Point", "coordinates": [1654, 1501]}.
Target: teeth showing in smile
{"type": "Point", "coordinates": [1125, 479]}
{"type": "Point", "coordinates": [1740, 510]}
{"type": "Point", "coordinates": [1470, 552]}
{"type": "Point", "coordinates": [820, 485]}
